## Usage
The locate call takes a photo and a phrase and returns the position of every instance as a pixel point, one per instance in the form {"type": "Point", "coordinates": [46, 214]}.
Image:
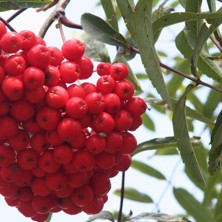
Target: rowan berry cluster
{"type": "Point", "coordinates": [61, 140]}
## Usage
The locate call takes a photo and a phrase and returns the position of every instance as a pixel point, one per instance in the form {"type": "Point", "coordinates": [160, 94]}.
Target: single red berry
{"type": "Point", "coordinates": [94, 207]}
{"type": "Point", "coordinates": [75, 90]}
{"type": "Point", "coordinates": [33, 78]}
{"type": "Point", "coordinates": [76, 107]}
{"type": "Point", "coordinates": [22, 110]}
{"type": "Point", "coordinates": [112, 103]}
{"type": "Point", "coordinates": [124, 89]}
{"type": "Point", "coordinates": [63, 153]}
{"type": "Point", "coordinates": [13, 88]}
{"type": "Point", "coordinates": [39, 56]}
{"type": "Point", "coordinates": [39, 143]}
{"type": "Point", "coordinates": [119, 71]}
{"type": "Point", "coordinates": [35, 95]}
{"type": "Point", "coordinates": [82, 196]}
{"type": "Point", "coordinates": [114, 141]}
{"type": "Point", "coordinates": [83, 161]}
{"type": "Point", "coordinates": [69, 129]}
{"type": "Point", "coordinates": [103, 123]}
{"type": "Point", "coordinates": [47, 162]}
{"type": "Point", "coordinates": [105, 84]}
{"type": "Point", "coordinates": [10, 42]}
{"type": "Point", "coordinates": [42, 205]}
{"type": "Point", "coordinates": [73, 49]}
{"type": "Point", "coordinates": [56, 56]}
{"type": "Point", "coordinates": [95, 102]}
{"type": "Point", "coordinates": [48, 118]}
{"type": "Point", "coordinates": [136, 106]}
{"type": "Point", "coordinates": [103, 68]}
{"type": "Point", "coordinates": [123, 120]}
{"type": "Point", "coordinates": [52, 75]}
{"type": "Point", "coordinates": [27, 159]}
{"type": "Point", "coordinates": [100, 184]}
{"type": "Point", "coordinates": [86, 67]}
{"type": "Point", "coordinates": [20, 141]}
{"type": "Point", "coordinates": [28, 39]}
{"type": "Point", "coordinates": [69, 72]}
{"type": "Point", "coordinates": [57, 97]}
{"type": "Point", "coordinates": [14, 65]}
{"type": "Point", "coordinates": [56, 181]}
{"type": "Point", "coordinates": [95, 144]}
{"type": "Point", "coordinates": [124, 163]}
{"type": "Point", "coordinates": [8, 127]}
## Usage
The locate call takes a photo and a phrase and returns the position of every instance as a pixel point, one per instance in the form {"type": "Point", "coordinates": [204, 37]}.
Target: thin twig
{"type": "Point", "coordinates": [18, 12]}
{"type": "Point", "coordinates": [60, 8]}
{"type": "Point", "coordinates": [65, 21]}
{"type": "Point", "coordinates": [7, 24]}
{"type": "Point", "coordinates": [216, 43]}
{"type": "Point", "coordinates": [121, 198]}
{"type": "Point", "coordinates": [61, 31]}
{"type": "Point", "coordinates": [196, 80]}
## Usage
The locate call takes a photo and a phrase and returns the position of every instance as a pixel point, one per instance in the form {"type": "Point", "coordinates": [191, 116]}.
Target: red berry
{"type": "Point", "coordinates": [33, 78]}
{"type": "Point", "coordinates": [73, 49]}
{"type": "Point", "coordinates": [103, 68]}
{"type": "Point", "coordinates": [69, 72]}
{"type": "Point", "coordinates": [119, 71]}
{"type": "Point", "coordinates": [76, 107]}
{"type": "Point", "coordinates": [10, 42]}
{"type": "Point", "coordinates": [57, 97]}
{"type": "Point", "coordinates": [39, 56]}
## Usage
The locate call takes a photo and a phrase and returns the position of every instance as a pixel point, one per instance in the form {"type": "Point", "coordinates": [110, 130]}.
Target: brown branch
{"type": "Point", "coordinates": [216, 43]}
{"type": "Point", "coordinates": [60, 8]}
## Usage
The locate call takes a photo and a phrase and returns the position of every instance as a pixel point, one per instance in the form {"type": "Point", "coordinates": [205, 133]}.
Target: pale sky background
{"type": "Point", "coordinates": [153, 187]}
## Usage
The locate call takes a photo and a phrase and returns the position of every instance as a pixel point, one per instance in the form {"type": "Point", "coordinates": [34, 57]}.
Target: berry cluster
{"type": "Point", "coordinates": [61, 140]}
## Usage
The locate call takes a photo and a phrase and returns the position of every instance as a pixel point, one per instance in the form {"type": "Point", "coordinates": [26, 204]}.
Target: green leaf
{"type": "Point", "coordinates": [212, 188]}
{"type": "Point", "coordinates": [159, 143]}
{"type": "Point", "coordinates": [160, 217]}
{"type": "Point", "coordinates": [169, 151]}
{"type": "Point", "coordinates": [105, 215]}
{"type": "Point", "coordinates": [110, 13]}
{"type": "Point", "coordinates": [218, 209]}
{"type": "Point", "coordinates": [101, 30]}
{"type": "Point", "coordinates": [183, 140]}
{"type": "Point", "coordinates": [206, 65]}
{"type": "Point", "coordinates": [146, 169]}
{"type": "Point", "coordinates": [148, 122]}
{"type": "Point", "coordinates": [178, 17]}
{"type": "Point", "coordinates": [213, 99]}
{"type": "Point", "coordinates": [135, 195]}
{"type": "Point", "coordinates": [191, 205]}
{"type": "Point", "coordinates": [94, 49]}
{"type": "Point", "coordinates": [6, 5]}
{"type": "Point", "coordinates": [145, 42]}
{"type": "Point", "coordinates": [207, 28]}
{"type": "Point", "coordinates": [194, 114]}
{"type": "Point", "coordinates": [215, 152]}
{"type": "Point", "coordinates": [126, 8]}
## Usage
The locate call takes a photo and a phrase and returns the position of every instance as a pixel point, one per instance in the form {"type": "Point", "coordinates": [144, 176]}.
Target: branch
{"type": "Point", "coordinates": [121, 198]}
{"type": "Point", "coordinates": [59, 9]}
{"type": "Point", "coordinates": [216, 43]}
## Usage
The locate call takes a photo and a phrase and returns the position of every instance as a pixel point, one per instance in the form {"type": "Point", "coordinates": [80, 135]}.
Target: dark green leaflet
{"type": "Point", "coordinates": [12, 4]}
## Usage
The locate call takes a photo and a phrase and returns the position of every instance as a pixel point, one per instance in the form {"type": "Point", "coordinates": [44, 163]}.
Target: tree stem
{"type": "Point", "coordinates": [121, 198]}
